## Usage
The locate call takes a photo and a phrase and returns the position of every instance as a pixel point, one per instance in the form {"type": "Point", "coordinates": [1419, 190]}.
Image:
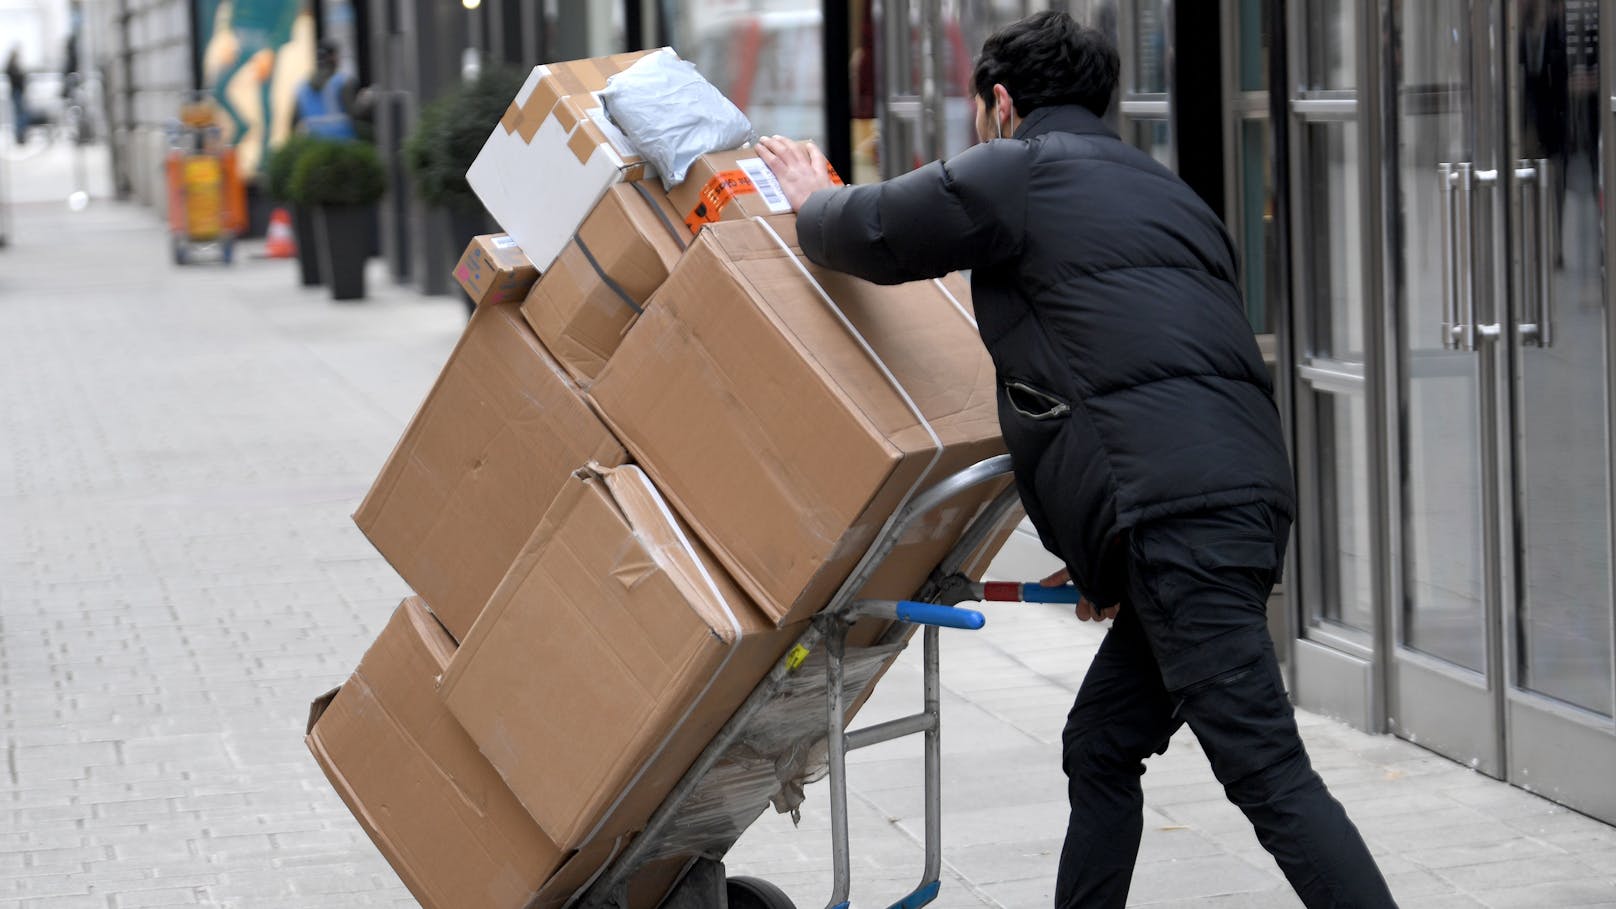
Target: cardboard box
{"type": "Point", "coordinates": [498, 436]}
{"type": "Point", "coordinates": [779, 436]}
{"type": "Point", "coordinates": [495, 270]}
{"type": "Point", "coordinates": [590, 296]}
{"type": "Point", "coordinates": [553, 154]}
{"type": "Point", "coordinates": [434, 806]}
{"type": "Point", "coordinates": [726, 186]}
{"type": "Point", "coordinates": [607, 660]}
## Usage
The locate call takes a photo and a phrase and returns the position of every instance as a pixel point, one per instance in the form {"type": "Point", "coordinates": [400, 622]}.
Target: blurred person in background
{"type": "Point", "coordinates": [18, 77]}
{"type": "Point", "coordinates": [1143, 432]}
{"type": "Point", "coordinates": [325, 102]}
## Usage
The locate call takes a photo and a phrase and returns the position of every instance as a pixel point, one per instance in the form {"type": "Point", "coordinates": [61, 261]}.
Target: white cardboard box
{"type": "Point", "coordinates": [554, 154]}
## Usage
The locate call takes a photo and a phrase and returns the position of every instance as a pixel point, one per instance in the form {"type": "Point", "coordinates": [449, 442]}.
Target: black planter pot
{"type": "Point", "coordinates": [343, 243]}
{"type": "Point", "coordinates": [464, 226]}
{"type": "Point", "coordinates": [308, 252]}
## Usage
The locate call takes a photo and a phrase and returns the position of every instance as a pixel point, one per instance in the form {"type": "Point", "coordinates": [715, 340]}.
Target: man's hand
{"type": "Point", "coordinates": [799, 166]}
{"type": "Point", "coordinates": [1086, 611]}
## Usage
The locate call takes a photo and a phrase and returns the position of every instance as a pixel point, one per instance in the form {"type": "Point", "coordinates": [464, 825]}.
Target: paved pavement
{"type": "Point", "coordinates": [179, 453]}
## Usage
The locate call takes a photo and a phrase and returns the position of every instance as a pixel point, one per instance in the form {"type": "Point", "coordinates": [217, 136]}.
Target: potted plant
{"type": "Point", "coordinates": [341, 181]}
{"type": "Point", "coordinates": [278, 181]}
{"type": "Point", "coordinates": [448, 135]}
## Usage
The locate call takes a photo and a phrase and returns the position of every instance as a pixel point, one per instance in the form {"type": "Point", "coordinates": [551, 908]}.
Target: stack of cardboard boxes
{"type": "Point", "coordinates": [659, 448]}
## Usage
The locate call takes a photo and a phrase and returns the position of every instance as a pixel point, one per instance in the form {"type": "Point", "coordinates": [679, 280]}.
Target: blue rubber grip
{"type": "Point", "coordinates": [941, 616]}
{"type": "Point", "coordinates": [921, 897]}
{"type": "Point", "coordinates": [1038, 593]}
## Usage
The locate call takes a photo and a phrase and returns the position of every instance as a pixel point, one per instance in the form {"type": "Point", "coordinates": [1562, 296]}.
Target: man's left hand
{"type": "Point", "coordinates": [1086, 611]}
{"type": "Point", "coordinates": [800, 167]}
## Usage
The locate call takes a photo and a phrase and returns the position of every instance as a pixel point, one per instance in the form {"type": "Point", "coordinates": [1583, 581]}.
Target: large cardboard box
{"type": "Point", "coordinates": [786, 435]}
{"type": "Point", "coordinates": [494, 269]}
{"type": "Point", "coordinates": [553, 154]}
{"type": "Point", "coordinates": [726, 186]}
{"type": "Point", "coordinates": [434, 806]}
{"type": "Point", "coordinates": [590, 296]}
{"type": "Point", "coordinates": [607, 660]}
{"type": "Point", "coordinates": [498, 436]}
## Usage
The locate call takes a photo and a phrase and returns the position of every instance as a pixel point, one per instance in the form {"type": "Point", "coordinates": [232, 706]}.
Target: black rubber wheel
{"type": "Point", "coordinates": [751, 893]}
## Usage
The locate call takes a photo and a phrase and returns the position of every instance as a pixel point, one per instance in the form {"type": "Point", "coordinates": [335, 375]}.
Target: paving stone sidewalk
{"type": "Point", "coordinates": [179, 454]}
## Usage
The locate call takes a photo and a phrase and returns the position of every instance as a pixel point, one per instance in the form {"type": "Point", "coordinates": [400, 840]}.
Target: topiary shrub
{"type": "Point", "coordinates": [282, 162]}
{"type": "Point", "coordinates": [451, 131]}
{"type": "Point", "coordinates": [338, 173]}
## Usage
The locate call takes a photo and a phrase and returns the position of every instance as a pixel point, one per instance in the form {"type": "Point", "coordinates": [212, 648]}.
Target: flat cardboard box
{"type": "Point", "coordinates": [729, 185]}
{"type": "Point", "coordinates": [778, 435]}
{"type": "Point", "coordinates": [494, 269]}
{"type": "Point", "coordinates": [498, 436]}
{"type": "Point", "coordinates": [433, 805]}
{"type": "Point", "coordinates": [591, 295]}
{"type": "Point", "coordinates": [553, 154]}
{"type": "Point", "coordinates": [607, 660]}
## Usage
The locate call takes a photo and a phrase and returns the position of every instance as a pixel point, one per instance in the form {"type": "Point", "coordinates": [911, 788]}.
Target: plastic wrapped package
{"type": "Point", "coordinates": [672, 115]}
{"type": "Point", "coordinates": [782, 750]}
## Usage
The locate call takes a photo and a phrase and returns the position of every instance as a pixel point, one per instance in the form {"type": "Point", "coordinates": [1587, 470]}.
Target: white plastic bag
{"type": "Point", "coordinates": [673, 115]}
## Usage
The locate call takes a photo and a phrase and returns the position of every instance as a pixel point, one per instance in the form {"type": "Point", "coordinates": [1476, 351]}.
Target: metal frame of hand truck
{"type": "Point", "coordinates": [933, 607]}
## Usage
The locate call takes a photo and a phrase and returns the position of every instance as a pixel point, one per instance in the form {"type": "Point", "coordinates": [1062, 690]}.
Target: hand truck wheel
{"type": "Point", "coordinates": [752, 893]}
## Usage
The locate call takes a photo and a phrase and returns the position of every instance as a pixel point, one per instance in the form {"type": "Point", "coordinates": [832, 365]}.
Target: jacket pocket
{"type": "Point", "coordinates": [1034, 403]}
{"type": "Point", "coordinates": [1236, 552]}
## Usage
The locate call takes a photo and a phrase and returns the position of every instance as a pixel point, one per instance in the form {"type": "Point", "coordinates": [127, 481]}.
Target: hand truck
{"type": "Point", "coordinates": [206, 207]}
{"type": "Point", "coordinates": [783, 694]}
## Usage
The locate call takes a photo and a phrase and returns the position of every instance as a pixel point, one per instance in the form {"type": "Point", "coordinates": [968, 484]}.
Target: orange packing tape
{"type": "Point", "coordinates": [720, 191]}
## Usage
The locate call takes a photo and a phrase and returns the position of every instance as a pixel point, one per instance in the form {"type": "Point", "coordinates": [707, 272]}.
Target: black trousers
{"type": "Point", "coordinates": [1190, 645]}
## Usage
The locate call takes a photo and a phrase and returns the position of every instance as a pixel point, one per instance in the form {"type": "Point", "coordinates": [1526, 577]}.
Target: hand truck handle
{"type": "Point", "coordinates": [941, 616]}
{"type": "Point", "coordinates": [1011, 592]}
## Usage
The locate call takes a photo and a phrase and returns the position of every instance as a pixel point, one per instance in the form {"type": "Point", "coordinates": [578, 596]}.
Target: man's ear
{"type": "Point", "coordinates": [1003, 102]}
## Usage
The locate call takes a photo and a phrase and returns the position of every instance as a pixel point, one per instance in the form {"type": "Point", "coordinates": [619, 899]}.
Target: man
{"type": "Point", "coordinates": [17, 75]}
{"type": "Point", "coordinates": [1141, 423]}
{"type": "Point", "coordinates": [325, 102]}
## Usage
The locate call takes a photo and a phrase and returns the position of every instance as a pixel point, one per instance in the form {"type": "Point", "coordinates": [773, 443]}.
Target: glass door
{"type": "Point", "coordinates": [1561, 690]}
{"type": "Point", "coordinates": [1503, 637]}
{"type": "Point", "coordinates": [1446, 661]}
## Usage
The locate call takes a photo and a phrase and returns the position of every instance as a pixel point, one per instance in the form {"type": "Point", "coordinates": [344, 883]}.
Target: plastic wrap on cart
{"type": "Point", "coordinates": [781, 753]}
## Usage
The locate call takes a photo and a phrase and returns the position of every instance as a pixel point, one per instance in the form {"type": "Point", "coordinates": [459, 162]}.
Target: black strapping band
{"type": "Point", "coordinates": [679, 236]}
{"type": "Point", "coordinates": [616, 287]}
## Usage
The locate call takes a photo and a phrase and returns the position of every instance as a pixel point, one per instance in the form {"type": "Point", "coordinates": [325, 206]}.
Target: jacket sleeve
{"type": "Point", "coordinates": [968, 212]}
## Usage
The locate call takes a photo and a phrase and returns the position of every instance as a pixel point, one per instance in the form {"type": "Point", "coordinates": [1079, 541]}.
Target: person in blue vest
{"type": "Point", "coordinates": [325, 102]}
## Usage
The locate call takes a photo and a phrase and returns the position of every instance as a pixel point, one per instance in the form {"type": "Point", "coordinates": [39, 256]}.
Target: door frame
{"type": "Point", "coordinates": [1336, 671]}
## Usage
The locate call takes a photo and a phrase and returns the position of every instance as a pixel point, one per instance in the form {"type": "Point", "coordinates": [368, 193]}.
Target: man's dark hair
{"type": "Point", "coordinates": [1048, 59]}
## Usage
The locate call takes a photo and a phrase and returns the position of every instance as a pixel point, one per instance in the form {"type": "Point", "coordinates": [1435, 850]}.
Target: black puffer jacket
{"type": "Point", "coordinates": [1130, 386]}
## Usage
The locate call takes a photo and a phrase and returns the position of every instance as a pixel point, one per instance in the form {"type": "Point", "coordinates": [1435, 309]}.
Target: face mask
{"type": "Point", "coordinates": [998, 126]}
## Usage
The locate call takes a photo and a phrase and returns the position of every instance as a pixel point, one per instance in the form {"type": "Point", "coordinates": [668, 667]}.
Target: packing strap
{"type": "Point", "coordinates": [718, 597]}
{"type": "Point", "coordinates": [958, 306]}
{"type": "Point", "coordinates": [610, 282]}
{"type": "Point", "coordinates": [886, 372]}
{"type": "Point", "coordinates": [680, 237]}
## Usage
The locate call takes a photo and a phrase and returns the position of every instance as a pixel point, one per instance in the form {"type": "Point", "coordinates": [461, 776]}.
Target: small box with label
{"type": "Point", "coordinates": [495, 270]}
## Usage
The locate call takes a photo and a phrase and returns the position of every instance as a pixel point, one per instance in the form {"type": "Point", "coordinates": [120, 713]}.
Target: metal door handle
{"type": "Point", "coordinates": [1450, 287]}
{"type": "Point", "coordinates": [1547, 221]}
{"type": "Point", "coordinates": [1464, 329]}
{"type": "Point", "coordinates": [1527, 327]}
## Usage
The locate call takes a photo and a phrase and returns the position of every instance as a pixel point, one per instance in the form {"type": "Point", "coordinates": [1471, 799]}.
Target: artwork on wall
{"type": "Point", "coordinates": [255, 54]}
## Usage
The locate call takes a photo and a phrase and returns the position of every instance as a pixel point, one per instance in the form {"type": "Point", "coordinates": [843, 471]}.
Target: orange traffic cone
{"type": "Point", "coordinates": [278, 243]}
